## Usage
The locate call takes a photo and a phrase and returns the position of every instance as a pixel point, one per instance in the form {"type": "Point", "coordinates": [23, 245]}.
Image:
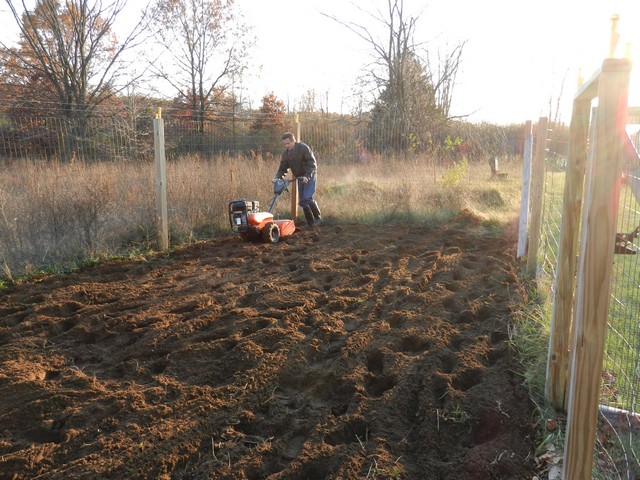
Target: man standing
{"type": "Point", "coordinates": [298, 157]}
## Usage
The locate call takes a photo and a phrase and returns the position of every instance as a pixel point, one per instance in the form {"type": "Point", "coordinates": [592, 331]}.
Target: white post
{"type": "Point", "coordinates": [161, 181]}
{"type": "Point", "coordinates": [526, 183]}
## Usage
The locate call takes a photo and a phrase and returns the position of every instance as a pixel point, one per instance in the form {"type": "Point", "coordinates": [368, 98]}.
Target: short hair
{"type": "Point", "coordinates": [289, 136]}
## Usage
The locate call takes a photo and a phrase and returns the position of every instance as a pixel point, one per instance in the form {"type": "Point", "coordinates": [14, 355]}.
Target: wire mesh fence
{"type": "Point", "coordinates": [71, 188]}
{"type": "Point", "coordinates": [98, 138]}
{"type": "Point", "coordinates": [617, 452]}
{"type": "Point", "coordinates": [619, 447]}
{"type": "Point", "coordinates": [127, 134]}
{"type": "Point", "coordinates": [555, 164]}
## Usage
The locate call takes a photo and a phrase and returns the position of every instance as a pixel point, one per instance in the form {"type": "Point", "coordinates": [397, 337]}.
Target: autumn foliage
{"type": "Point", "coordinates": [271, 114]}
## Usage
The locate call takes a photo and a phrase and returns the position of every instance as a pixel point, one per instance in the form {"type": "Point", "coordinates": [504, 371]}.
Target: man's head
{"type": "Point", "coordinates": [289, 140]}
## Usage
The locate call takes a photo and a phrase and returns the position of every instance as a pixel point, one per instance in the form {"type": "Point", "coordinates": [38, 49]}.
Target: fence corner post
{"type": "Point", "coordinates": [595, 265]}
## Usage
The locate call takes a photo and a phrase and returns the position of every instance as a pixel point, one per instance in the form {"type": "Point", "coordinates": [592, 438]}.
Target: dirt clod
{"type": "Point", "coordinates": [341, 353]}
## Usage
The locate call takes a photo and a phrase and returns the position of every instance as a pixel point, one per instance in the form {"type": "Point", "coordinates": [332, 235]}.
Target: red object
{"type": "Point", "coordinates": [287, 227]}
{"type": "Point", "coordinates": [246, 218]}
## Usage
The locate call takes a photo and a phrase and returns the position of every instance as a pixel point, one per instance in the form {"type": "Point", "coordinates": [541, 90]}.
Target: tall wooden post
{"type": "Point", "coordinates": [294, 185]}
{"type": "Point", "coordinates": [526, 184]}
{"type": "Point", "coordinates": [614, 37]}
{"type": "Point", "coordinates": [161, 181]}
{"type": "Point", "coordinates": [594, 268]}
{"type": "Point", "coordinates": [537, 192]}
{"type": "Point", "coordinates": [562, 309]}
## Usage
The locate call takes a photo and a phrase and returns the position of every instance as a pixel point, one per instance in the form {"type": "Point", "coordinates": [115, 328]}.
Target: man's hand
{"type": "Point", "coordinates": [275, 180]}
{"type": "Point", "coordinates": [304, 179]}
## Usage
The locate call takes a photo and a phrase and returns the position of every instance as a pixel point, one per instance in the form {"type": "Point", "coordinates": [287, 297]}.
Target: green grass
{"type": "Point", "coordinates": [529, 336]}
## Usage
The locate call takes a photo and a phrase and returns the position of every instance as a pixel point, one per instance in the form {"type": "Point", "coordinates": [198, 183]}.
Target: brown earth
{"type": "Point", "coordinates": [345, 352]}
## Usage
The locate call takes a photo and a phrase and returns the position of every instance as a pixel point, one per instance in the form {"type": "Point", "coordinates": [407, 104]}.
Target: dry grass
{"type": "Point", "coordinates": [54, 214]}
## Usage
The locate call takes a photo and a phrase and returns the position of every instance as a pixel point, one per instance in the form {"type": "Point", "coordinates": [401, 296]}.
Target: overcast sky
{"type": "Point", "coordinates": [518, 56]}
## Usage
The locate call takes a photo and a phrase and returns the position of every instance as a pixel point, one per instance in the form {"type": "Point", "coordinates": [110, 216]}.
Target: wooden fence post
{"type": "Point", "coordinates": [564, 287]}
{"type": "Point", "coordinates": [161, 181]}
{"type": "Point", "coordinates": [294, 184]}
{"type": "Point", "coordinates": [594, 269]}
{"type": "Point", "coordinates": [526, 184]}
{"type": "Point", "coordinates": [537, 192]}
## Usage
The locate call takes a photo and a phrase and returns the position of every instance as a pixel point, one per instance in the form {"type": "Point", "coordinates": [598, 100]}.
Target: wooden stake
{"type": "Point", "coordinates": [562, 309]}
{"type": "Point", "coordinates": [526, 184]}
{"type": "Point", "coordinates": [294, 184]}
{"type": "Point", "coordinates": [537, 192]}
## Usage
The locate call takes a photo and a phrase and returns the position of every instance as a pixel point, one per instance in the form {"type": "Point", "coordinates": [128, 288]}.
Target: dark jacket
{"type": "Point", "coordinates": [300, 160]}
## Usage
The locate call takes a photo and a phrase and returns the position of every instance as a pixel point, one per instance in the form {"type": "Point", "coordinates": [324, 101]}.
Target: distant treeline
{"type": "Point", "coordinates": [126, 133]}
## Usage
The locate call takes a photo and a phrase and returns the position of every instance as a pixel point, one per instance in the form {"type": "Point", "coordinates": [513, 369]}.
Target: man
{"type": "Point", "coordinates": [298, 157]}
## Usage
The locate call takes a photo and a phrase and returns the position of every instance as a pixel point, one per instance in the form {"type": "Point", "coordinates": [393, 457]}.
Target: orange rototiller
{"type": "Point", "coordinates": [246, 218]}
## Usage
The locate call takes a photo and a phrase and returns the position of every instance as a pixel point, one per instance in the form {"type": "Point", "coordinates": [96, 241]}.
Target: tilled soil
{"type": "Point", "coordinates": [344, 352]}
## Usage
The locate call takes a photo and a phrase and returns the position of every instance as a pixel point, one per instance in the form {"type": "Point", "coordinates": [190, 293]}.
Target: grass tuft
{"type": "Point", "coordinates": [529, 337]}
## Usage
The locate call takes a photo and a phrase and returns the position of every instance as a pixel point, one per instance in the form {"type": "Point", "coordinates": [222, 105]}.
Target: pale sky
{"type": "Point", "coordinates": [514, 62]}
{"type": "Point", "coordinates": [516, 56]}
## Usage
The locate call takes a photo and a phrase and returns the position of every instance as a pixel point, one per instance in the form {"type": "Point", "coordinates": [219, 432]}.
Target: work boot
{"type": "Point", "coordinates": [308, 214]}
{"type": "Point", "coordinates": [316, 213]}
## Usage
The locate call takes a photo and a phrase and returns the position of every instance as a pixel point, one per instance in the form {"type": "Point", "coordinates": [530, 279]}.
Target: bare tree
{"type": "Point", "coordinates": [73, 48]}
{"type": "Point", "coordinates": [409, 95]}
{"type": "Point", "coordinates": [68, 56]}
{"type": "Point", "coordinates": [446, 79]}
{"type": "Point", "coordinates": [206, 45]}
{"type": "Point", "coordinates": [308, 102]}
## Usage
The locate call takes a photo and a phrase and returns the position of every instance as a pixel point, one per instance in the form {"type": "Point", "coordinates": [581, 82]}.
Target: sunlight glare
{"type": "Point", "coordinates": [628, 45]}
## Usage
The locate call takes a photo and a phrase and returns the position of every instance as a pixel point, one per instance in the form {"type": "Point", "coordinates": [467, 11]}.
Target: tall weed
{"type": "Point", "coordinates": [61, 214]}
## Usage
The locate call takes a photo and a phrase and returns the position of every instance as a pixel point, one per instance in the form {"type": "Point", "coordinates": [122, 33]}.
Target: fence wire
{"type": "Point", "coordinates": [552, 211]}
{"type": "Point", "coordinates": [127, 134]}
{"type": "Point", "coordinates": [73, 188]}
{"type": "Point", "coordinates": [617, 454]}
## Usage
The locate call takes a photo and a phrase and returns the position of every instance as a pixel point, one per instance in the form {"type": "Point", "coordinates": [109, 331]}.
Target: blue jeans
{"type": "Point", "coordinates": [306, 191]}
